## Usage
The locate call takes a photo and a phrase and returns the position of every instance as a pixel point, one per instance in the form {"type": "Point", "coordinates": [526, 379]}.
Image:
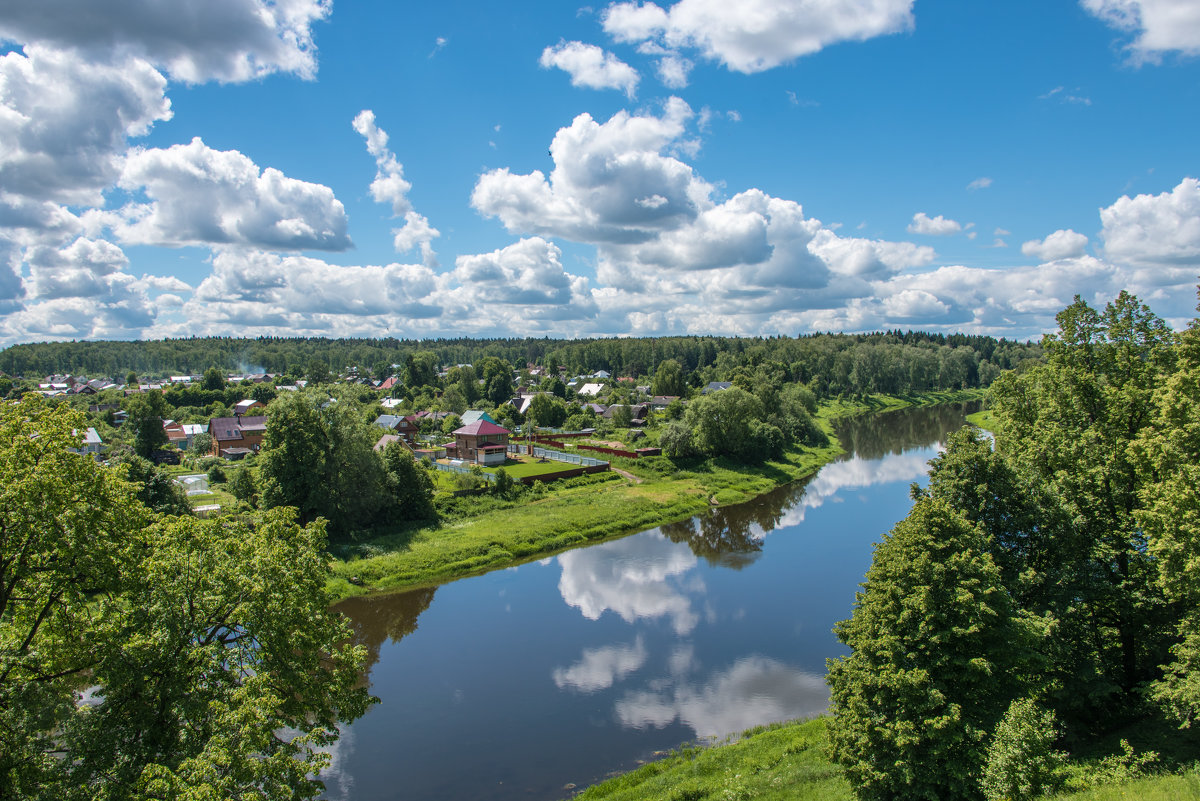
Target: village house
{"type": "Point", "coordinates": [404, 427]}
{"type": "Point", "coordinates": [91, 444]}
{"type": "Point", "coordinates": [242, 408]}
{"type": "Point", "coordinates": [481, 442]}
{"type": "Point", "coordinates": [235, 437]}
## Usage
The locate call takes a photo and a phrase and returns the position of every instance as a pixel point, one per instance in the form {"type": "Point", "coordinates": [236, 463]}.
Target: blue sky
{"type": "Point", "coordinates": [241, 167]}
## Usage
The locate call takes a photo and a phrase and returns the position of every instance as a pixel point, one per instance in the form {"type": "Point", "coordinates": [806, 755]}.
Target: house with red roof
{"type": "Point", "coordinates": [481, 442]}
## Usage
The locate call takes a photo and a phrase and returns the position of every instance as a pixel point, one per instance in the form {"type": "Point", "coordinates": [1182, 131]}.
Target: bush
{"type": "Point", "coordinates": [1021, 760]}
{"type": "Point", "coordinates": [216, 474]}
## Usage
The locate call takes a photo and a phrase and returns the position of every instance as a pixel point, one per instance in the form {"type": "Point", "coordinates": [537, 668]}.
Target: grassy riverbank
{"type": "Point", "coordinates": [582, 511]}
{"type": "Point", "coordinates": [788, 761]}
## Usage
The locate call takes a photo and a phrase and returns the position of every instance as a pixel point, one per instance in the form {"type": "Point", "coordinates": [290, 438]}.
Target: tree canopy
{"type": "Point", "coordinates": [141, 656]}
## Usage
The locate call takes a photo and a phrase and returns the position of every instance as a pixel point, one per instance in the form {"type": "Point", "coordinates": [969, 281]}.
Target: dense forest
{"type": "Point", "coordinates": [892, 361]}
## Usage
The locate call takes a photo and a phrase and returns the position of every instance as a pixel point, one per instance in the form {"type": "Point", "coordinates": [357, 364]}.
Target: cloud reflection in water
{"type": "Point", "coordinates": [756, 690]}
{"type": "Point", "coordinates": [631, 577]}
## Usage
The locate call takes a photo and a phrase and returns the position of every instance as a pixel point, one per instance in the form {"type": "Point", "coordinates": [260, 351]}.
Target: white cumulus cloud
{"type": "Point", "coordinates": [1160, 26]}
{"type": "Point", "coordinates": [1159, 229]}
{"type": "Point", "coordinates": [194, 40]}
{"type": "Point", "coordinates": [591, 67]}
{"type": "Point", "coordinates": [922, 223]}
{"type": "Point", "coordinates": [612, 182]}
{"type": "Point", "coordinates": [756, 35]}
{"type": "Point", "coordinates": [64, 123]}
{"type": "Point", "coordinates": [201, 196]}
{"type": "Point", "coordinates": [1062, 244]}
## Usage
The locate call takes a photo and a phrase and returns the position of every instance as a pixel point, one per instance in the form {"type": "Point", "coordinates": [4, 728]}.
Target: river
{"type": "Point", "coordinates": [528, 682]}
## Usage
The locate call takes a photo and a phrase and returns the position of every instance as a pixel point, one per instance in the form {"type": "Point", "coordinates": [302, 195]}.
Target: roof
{"type": "Point", "coordinates": [590, 389]}
{"type": "Point", "coordinates": [246, 404]}
{"type": "Point", "coordinates": [481, 428]}
{"type": "Point", "coordinates": [471, 415]}
{"type": "Point", "coordinates": [224, 429]}
{"type": "Point", "coordinates": [192, 429]}
{"type": "Point", "coordinates": [388, 421]}
{"type": "Point", "coordinates": [714, 386]}
{"type": "Point", "coordinates": [386, 440]}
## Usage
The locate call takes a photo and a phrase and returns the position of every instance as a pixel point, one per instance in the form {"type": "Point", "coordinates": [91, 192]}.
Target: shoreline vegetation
{"type": "Point", "coordinates": [600, 507]}
{"type": "Point", "coordinates": [789, 762]}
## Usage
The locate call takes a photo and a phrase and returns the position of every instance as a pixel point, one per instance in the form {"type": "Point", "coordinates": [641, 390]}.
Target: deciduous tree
{"type": "Point", "coordinates": [935, 660]}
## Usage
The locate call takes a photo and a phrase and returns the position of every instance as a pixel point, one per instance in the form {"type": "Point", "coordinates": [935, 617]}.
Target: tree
{"type": "Point", "coordinates": [156, 491]}
{"type": "Point", "coordinates": [243, 487]}
{"type": "Point", "coordinates": [146, 413]}
{"type": "Point", "coordinates": [676, 440]}
{"type": "Point", "coordinates": [264, 393]}
{"type": "Point", "coordinates": [668, 378]}
{"type": "Point", "coordinates": [936, 656]}
{"type": "Point", "coordinates": [213, 379]}
{"type": "Point", "coordinates": [317, 372]}
{"type": "Point", "coordinates": [548, 410]}
{"type": "Point", "coordinates": [420, 370]}
{"type": "Point", "coordinates": [499, 389]}
{"type": "Point", "coordinates": [1169, 454]}
{"type": "Point", "coordinates": [408, 485]}
{"type": "Point", "coordinates": [721, 424]}
{"type": "Point", "coordinates": [206, 686]}
{"type": "Point", "coordinates": [1069, 427]}
{"type": "Point", "coordinates": [202, 443]}
{"type": "Point", "coordinates": [554, 385]}
{"type": "Point", "coordinates": [317, 457]}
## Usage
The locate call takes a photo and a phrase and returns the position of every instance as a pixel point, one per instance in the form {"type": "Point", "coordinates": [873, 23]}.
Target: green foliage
{"type": "Point", "coordinates": [146, 413]}
{"type": "Point", "coordinates": [213, 379]}
{"type": "Point", "coordinates": [317, 457]}
{"type": "Point", "coordinates": [263, 393]}
{"type": "Point", "coordinates": [504, 486]}
{"type": "Point", "coordinates": [675, 438]}
{"type": "Point", "coordinates": [1069, 428]}
{"type": "Point", "coordinates": [548, 410]}
{"type": "Point", "coordinates": [243, 487]}
{"type": "Point", "coordinates": [668, 379]}
{"type": "Point", "coordinates": [202, 443]}
{"type": "Point", "coordinates": [216, 474]}
{"type": "Point", "coordinates": [409, 488]}
{"type": "Point", "coordinates": [317, 373]}
{"type": "Point", "coordinates": [935, 652]}
{"type": "Point", "coordinates": [1169, 454]}
{"type": "Point", "coordinates": [1021, 760]}
{"type": "Point", "coordinates": [155, 490]}
{"type": "Point", "coordinates": [205, 686]}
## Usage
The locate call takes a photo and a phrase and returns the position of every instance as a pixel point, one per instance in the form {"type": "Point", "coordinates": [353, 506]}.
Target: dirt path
{"type": "Point", "coordinates": [626, 474]}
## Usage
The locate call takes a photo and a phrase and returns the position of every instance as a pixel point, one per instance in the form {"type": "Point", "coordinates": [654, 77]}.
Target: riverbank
{"type": "Point", "coordinates": [603, 507]}
{"type": "Point", "coordinates": [788, 762]}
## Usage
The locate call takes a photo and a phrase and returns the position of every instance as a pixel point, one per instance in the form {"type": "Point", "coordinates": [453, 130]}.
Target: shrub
{"type": "Point", "coordinates": [1021, 760]}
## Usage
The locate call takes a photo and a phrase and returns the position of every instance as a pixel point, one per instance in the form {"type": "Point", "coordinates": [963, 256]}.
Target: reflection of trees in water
{"type": "Point", "coordinates": [376, 618]}
{"type": "Point", "coordinates": [872, 436]}
{"type": "Point", "coordinates": [732, 535]}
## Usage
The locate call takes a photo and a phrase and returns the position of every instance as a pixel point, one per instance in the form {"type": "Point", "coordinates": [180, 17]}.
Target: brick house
{"type": "Point", "coordinates": [237, 436]}
{"type": "Point", "coordinates": [481, 442]}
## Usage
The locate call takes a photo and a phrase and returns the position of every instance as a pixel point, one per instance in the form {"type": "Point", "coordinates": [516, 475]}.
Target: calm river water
{"type": "Point", "coordinates": [523, 682]}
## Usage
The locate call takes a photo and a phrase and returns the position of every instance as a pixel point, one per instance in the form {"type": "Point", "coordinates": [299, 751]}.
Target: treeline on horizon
{"type": "Point", "coordinates": [892, 361]}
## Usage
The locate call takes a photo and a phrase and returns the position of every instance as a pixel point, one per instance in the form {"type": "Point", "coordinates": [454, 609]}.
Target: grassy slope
{"type": "Point", "coordinates": [565, 518]}
{"type": "Point", "coordinates": [787, 761]}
